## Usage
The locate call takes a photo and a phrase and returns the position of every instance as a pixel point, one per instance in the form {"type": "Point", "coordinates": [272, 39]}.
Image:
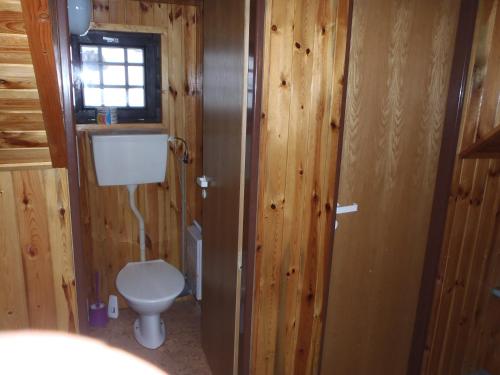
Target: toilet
{"type": "Point", "coordinates": [149, 287]}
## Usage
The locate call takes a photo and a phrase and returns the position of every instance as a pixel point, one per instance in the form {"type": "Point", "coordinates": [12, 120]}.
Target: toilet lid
{"type": "Point", "coordinates": [151, 281]}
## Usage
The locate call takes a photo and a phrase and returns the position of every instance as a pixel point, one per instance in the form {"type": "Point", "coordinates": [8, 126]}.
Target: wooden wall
{"type": "Point", "coordinates": [111, 235]}
{"type": "Point", "coordinates": [22, 133]}
{"type": "Point", "coordinates": [36, 258]}
{"type": "Point", "coordinates": [399, 71]}
{"type": "Point", "coordinates": [304, 59]}
{"type": "Point", "coordinates": [463, 336]}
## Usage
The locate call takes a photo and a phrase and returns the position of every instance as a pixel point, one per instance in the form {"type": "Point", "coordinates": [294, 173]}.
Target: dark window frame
{"type": "Point", "coordinates": [150, 43]}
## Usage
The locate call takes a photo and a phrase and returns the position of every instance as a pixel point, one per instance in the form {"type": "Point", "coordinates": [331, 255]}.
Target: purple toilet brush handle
{"type": "Point", "coordinates": [98, 300]}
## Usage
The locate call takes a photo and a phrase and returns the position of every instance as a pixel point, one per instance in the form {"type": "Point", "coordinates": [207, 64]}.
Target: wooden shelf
{"type": "Point", "coordinates": [120, 127]}
{"type": "Point", "coordinates": [486, 148]}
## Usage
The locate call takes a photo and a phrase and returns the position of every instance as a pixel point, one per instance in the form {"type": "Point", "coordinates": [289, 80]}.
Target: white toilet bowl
{"type": "Point", "coordinates": [149, 289]}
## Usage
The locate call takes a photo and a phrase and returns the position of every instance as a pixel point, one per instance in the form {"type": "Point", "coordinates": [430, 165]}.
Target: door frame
{"type": "Point", "coordinates": [58, 10]}
{"type": "Point", "coordinates": [451, 129]}
{"type": "Point", "coordinates": [256, 52]}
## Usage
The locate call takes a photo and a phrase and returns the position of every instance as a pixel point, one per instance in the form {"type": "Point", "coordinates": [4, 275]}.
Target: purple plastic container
{"type": "Point", "coordinates": [98, 313]}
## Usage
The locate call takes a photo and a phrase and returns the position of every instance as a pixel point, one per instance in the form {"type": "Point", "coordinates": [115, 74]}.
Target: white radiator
{"type": "Point", "coordinates": [193, 259]}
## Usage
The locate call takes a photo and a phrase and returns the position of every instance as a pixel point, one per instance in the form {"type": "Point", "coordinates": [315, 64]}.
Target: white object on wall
{"type": "Point", "coordinates": [113, 310]}
{"type": "Point", "coordinates": [79, 14]}
{"type": "Point", "coordinates": [193, 259]}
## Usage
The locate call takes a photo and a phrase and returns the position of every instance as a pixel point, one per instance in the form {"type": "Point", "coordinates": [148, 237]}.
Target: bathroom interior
{"type": "Point", "coordinates": [169, 169]}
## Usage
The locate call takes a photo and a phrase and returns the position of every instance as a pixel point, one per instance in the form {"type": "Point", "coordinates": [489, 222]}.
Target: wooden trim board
{"type": "Point", "coordinates": [458, 81]}
{"type": "Point", "coordinates": [62, 42]}
{"type": "Point", "coordinates": [39, 30]}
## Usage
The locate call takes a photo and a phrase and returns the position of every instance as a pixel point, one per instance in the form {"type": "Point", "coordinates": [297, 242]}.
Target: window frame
{"type": "Point", "coordinates": [151, 44]}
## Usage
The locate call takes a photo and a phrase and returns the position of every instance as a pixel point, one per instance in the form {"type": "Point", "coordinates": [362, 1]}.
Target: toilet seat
{"type": "Point", "coordinates": [149, 282]}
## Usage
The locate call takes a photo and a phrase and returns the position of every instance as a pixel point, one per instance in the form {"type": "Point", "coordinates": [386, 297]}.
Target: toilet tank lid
{"type": "Point", "coordinates": [151, 281]}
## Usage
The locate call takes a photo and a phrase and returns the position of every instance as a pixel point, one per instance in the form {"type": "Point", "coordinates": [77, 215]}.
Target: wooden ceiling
{"type": "Point", "coordinates": [30, 109]}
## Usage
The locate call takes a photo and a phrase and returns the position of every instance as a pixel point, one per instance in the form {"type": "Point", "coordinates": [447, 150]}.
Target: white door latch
{"type": "Point", "coordinates": [345, 210]}
{"type": "Point", "coordinates": [202, 182]}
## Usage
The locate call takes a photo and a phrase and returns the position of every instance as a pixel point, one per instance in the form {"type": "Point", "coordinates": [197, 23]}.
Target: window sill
{"type": "Point", "coordinates": [118, 127]}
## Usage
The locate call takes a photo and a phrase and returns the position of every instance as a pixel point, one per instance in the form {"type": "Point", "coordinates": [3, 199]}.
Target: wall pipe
{"type": "Point", "coordinates": [140, 219]}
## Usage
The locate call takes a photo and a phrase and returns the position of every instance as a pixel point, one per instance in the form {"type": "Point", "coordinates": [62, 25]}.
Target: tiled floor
{"type": "Point", "coordinates": [180, 355]}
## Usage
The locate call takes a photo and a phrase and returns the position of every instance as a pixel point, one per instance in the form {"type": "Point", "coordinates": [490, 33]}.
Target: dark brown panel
{"type": "Point", "coordinates": [224, 125]}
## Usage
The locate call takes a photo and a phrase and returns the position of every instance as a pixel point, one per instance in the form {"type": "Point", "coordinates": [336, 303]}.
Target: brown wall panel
{"type": "Point", "coordinates": [38, 284]}
{"type": "Point", "coordinates": [303, 81]}
{"type": "Point", "coordinates": [461, 338]}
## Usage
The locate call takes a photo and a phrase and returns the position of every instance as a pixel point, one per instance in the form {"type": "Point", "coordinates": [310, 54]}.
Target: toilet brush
{"type": "Point", "coordinates": [98, 314]}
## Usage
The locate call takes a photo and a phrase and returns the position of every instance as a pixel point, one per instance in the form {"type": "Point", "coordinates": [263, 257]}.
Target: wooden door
{"type": "Point", "coordinates": [399, 71]}
{"type": "Point", "coordinates": [224, 118]}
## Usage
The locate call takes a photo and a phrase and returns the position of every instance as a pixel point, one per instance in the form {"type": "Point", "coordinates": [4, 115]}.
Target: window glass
{"type": "Point", "coordinates": [136, 97]}
{"type": "Point", "coordinates": [113, 75]}
{"type": "Point", "coordinates": [89, 53]}
{"type": "Point", "coordinates": [135, 55]}
{"type": "Point", "coordinates": [135, 75]}
{"type": "Point", "coordinates": [113, 54]}
{"type": "Point", "coordinates": [115, 97]}
{"type": "Point", "coordinates": [92, 97]}
{"type": "Point", "coordinates": [90, 74]}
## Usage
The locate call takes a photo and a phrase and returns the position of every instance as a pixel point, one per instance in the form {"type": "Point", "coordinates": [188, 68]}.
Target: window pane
{"type": "Point", "coordinates": [115, 97]}
{"type": "Point", "coordinates": [136, 97]}
{"type": "Point", "coordinates": [91, 97]}
{"type": "Point", "coordinates": [135, 55]}
{"type": "Point", "coordinates": [89, 54]}
{"type": "Point", "coordinates": [113, 75]}
{"type": "Point", "coordinates": [90, 74]}
{"type": "Point", "coordinates": [113, 54]}
{"type": "Point", "coordinates": [136, 75]}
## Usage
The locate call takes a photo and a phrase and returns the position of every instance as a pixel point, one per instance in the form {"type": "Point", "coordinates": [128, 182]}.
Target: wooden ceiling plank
{"type": "Point", "coordinates": [23, 139]}
{"type": "Point", "coordinates": [39, 30]}
{"type": "Point", "coordinates": [10, 5]}
{"type": "Point", "coordinates": [11, 22]}
{"type": "Point", "coordinates": [10, 158]}
{"type": "Point", "coordinates": [17, 76]}
{"type": "Point", "coordinates": [21, 120]}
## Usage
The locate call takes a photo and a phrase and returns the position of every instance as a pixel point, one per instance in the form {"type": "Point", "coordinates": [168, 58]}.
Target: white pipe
{"type": "Point", "coordinates": [183, 216]}
{"type": "Point", "coordinates": [140, 219]}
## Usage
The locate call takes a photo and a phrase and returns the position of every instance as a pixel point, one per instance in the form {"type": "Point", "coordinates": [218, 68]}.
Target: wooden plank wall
{"type": "Point", "coordinates": [36, 258]}
{"type": "Point", "coordinates": [22, 133]}
{"type": "Point", "coordinates": [463, 334]}
{"type": "Point", "coordinates": [111, 236]}
{"type": "Point", "coordinates": [304, 59]}
{"type": "Point", "coordinates": [399, 72]}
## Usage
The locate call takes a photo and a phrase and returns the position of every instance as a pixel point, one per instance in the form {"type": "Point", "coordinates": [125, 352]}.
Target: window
{"type": "Point", "coordinates": [116, 69]}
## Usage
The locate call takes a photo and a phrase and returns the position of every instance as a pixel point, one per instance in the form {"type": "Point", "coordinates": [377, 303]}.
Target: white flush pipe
{"type": "Point", "coordinates": [140, 219]}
